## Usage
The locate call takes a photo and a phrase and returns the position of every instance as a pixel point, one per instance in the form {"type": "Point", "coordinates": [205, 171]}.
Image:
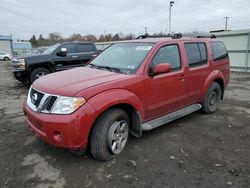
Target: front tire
{"type": "Point", "coordinates": [37, 73]}
{"type": "Point", "coordinates": [6, 59]}
{"type": "Point", "coordinates": [110, 134]}
{"type": "Point", "coordinates": [212, 99]}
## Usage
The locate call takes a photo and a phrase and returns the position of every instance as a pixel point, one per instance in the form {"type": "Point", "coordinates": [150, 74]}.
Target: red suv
{"type": "Point", "coordinates": [131, 87]}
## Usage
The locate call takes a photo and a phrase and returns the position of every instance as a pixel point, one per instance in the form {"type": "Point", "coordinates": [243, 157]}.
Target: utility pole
{"type": "Point", "coordinates": [226, 17]}
{"type": "Point", "coordinates": [104, 35]}
{"type": "Point", "coordinates": [146, 30]}
{"type": "Point", "coordinates": [171, 3]}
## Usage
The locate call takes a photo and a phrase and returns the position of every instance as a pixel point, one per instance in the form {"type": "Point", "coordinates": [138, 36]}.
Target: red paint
{"type": "Point", "coordinates": [162, 68]}
{"type": "Point", "coordinates": [150, 96]}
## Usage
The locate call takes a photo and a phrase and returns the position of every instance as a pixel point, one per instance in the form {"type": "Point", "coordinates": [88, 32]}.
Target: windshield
{"type": "Point", "coordinates": [125, 57]}
{"type": "Point", "coordinates": [51, 49]}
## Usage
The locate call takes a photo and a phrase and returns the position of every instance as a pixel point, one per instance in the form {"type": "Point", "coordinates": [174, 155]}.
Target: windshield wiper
{"type": "Point", "coordinates": [93, 66]}
{"type": "Point", "coordinates": [112, 69]}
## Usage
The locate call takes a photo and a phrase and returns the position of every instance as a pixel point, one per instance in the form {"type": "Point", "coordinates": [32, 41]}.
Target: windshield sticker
{"type": "Point", "coordinates": [143, 48]}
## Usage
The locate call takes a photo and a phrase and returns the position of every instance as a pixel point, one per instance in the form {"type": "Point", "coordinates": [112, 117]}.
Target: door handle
{"type": "Point", "coordinates": [74, 56]}
{"type": "Point", "coordinates": [182, 77]}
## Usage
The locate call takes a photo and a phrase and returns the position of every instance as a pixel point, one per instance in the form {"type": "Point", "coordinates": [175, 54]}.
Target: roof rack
{"type": "Point", "coordinates": [151, 36]}
{"type": "Point", "coordinates": [175, 36]}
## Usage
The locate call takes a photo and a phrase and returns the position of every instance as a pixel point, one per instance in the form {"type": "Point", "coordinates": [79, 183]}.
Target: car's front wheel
{"type": "Point", "coordinates": [110, 134]}
{"type": "Point", "coordinates": [37, 73]}
{"type": "Point", "coordinates": [212, 98]}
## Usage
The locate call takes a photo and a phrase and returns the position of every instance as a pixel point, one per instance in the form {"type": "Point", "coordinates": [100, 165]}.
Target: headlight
{"type": "Point", "coordinates": [67, 105]}
{"type": "Point", "coordinates": [19, 64]}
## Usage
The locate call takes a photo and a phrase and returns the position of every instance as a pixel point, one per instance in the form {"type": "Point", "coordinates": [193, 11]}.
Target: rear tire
{"type": "Point", "coordinates": [110, 134]}
{"type": "Point", "coordinates": [37, 73]}
{"type": "Point", "coordinates": [212, 99]}
{"type": "Point", "coordinates": [6, 59]}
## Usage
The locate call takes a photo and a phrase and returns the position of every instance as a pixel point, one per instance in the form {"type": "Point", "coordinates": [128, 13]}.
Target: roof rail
{"type": "Point", "coordinates": [173, 36]}
{"type": "Point", "coordinates": [177, 36]}
{"type": "Point", "coordinates": [151, 36]}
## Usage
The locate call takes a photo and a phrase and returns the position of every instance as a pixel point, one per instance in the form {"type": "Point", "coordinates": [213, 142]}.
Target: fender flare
{"type": "Point", "coordinates": [109, 98]}
{"type": "Point", "coordinates": [216, 74]}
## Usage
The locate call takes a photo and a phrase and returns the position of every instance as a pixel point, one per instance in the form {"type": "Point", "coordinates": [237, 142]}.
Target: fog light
{"type": "Point", "coordinates": [58, 136]}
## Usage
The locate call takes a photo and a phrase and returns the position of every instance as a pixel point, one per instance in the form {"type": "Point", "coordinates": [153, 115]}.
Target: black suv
{"type": "Point", "coordinates": [56, 58]}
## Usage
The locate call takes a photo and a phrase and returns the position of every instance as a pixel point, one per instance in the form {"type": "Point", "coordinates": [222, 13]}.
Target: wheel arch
{"type": "Point", "coordinates": [46, 65]}
{"type": "Point", "coordinates": [214, 76]}
{"type": "Point", "coordinates": [222, 86]}
{"type": "Point", "coordinates": [123, 99]}
{"type": "Point", "coordinates": [32, 67]}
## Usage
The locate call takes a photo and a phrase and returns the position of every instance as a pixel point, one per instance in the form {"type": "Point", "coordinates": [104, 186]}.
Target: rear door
{"type": "Point", "coordinates": [198, 68]}
{"type": "Point", "coordinates": [69, 61]}
{"type": "Point", "coordinates": [166, 92]}
{"type": "Point", "coordinates": [85, 52]}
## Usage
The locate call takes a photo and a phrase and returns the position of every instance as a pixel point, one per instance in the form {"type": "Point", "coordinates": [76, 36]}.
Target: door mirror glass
{"type": "Point", "coordinates": [62, 52]}
{"type": "Point", "coordinates": [162, 68]}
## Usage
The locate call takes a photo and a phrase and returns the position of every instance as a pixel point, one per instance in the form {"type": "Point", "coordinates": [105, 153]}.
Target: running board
{"type": "Point", "coordinates": [169, 117]}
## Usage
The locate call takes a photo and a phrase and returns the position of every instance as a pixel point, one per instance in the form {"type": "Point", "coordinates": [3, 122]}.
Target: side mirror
{"type": "Point", "coordinates": [162, 68]}
{"type": "Point", "coordinates": [62, 52]}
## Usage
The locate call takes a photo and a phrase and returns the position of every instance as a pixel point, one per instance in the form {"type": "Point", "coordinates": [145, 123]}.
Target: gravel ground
{"type": "Point", "coordinates": [196, 151]}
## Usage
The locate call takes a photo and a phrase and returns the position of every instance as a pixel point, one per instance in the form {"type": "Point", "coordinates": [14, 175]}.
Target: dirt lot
{"type": "Point", "coordinates": [196, 151]}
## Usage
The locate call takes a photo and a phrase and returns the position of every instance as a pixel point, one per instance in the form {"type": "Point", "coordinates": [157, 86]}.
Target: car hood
{"type": "Point", "coordinates": [70, 82]}
{"type": "Point", "coordinates": [35, 58]}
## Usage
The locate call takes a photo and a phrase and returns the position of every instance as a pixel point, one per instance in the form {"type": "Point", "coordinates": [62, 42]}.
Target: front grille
{"type": "Point", "coordinates": [36, 97]}
{"type": "Point", "coordinates": [50, 103]}
{"type": "Point", "coordinates": [41, 102]}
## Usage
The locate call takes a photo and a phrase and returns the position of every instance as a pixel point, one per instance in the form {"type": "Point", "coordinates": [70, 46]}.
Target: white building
{"type": "Point", "coordinates": [21, 48]}
{"type": "Point", "coordinates": [6, 44]}
{"type": "Point", "coordinates": [237, 43]}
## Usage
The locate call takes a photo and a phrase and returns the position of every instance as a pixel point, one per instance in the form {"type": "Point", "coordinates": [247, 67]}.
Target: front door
{"type": "Point", "coordinates": [166, 92]}
{"type": "Point", "coordinates": [69, 61]}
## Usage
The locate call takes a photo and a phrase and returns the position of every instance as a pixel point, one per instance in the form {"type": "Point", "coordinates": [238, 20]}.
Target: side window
{"type": "Point", "coordinates": [219, 50]}
{"type": "Point", "coordinates": [196, 54]}
{"type": "Point", "coordinates": [168, 54]}
{"type": "Point", "coordinates": [84, 48]}
{"type": "Point", "coordinates": [70, 48]}
{"type": "Point", "coordinates": [203, 52]}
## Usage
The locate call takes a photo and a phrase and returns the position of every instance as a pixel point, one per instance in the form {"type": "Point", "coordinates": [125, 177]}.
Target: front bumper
{"type": "Point", "coordinates": [20, 75]}
{"type": "Point", "coordinates": [64, 131]}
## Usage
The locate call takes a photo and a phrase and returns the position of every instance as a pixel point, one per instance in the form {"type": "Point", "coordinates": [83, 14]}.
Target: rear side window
{"type": "Point", "coordinates": [168, 54]}
{"type": "Point", "coordinates": [84, 48]}
{"type": "Point", "coordinates": [196, 54]}
{"type": "Point", "coordinates": [219, 51]}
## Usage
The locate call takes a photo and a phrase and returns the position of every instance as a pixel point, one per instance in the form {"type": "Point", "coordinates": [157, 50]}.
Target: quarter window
{"type": "Point", "coordinates": [219, 51]}
{"type": "Point", "coordinates": [168, 54]}
{"type": "Point", "coordinates": [196, 54]}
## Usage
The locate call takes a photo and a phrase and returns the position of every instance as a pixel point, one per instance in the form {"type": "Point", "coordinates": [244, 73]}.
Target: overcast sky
{"type": "Point", "coordinates": [22, 18]}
